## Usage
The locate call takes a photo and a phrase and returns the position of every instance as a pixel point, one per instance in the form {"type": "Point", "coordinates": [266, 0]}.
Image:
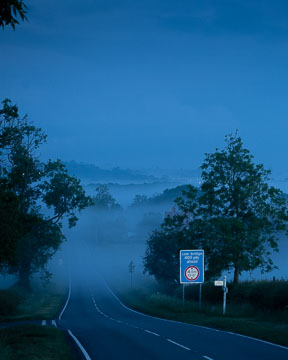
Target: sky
{"type": "Point", "coordinates": [151, 83]}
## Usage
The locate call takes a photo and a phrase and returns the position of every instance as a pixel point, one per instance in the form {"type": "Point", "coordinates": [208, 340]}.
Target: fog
{"type": "Point", "coordinates": [149, 87]}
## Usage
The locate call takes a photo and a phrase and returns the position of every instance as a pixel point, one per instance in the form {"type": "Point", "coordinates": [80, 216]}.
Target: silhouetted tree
{"type": "Point", "coordinates": [103, 199]}
{"type": "Point", "coordinates": [242, 213]}
{"type": "Point", "coordinates": [30, 184]}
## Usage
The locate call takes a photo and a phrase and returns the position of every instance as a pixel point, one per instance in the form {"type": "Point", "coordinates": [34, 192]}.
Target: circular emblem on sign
{"type": "Point", "coordinates": [192, 273]}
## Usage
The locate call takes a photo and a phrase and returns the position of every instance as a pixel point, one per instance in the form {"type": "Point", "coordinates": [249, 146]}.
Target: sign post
{"type": "Point", "coordinates": [192, 269]}
{"type": "Point", "coordinates": [223, 283]}
{"type": "Point", "coordinates": [131, 268]}
{"type": "Point", "coordinates": [224, 295]}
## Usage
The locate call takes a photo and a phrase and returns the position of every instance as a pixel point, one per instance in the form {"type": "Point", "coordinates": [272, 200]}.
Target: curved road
{"type": "Point", "coordinates": [108, 330]}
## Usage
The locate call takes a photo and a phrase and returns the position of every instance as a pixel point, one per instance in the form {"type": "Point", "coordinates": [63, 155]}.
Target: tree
{"type": "Point", "coordinates": [32, 184]}
{"type": "Point", "coordinates": [243, 215]}
{"type": "Point", "coordinates": [139, 200]}
{"type": "Point", "coordinates": [104, 200]}
{"type": "Point", "coordinates": [182, 230]}
{"type": "Point", "coordinates": [9, 10]}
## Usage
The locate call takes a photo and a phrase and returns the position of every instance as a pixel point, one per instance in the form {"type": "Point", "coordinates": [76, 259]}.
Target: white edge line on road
{"type": "Point", "coordinates": [262, 341]}
{"type": "Point", "coordinates": [150, 332]}
{"type": "Point", "coordinates": [87, 357]}
{"type": "Point", "coordinates": [175, 343]}
{"type": "Point", "coordinates": [207, 357]}
{"type": "Point", "coordinates": [68, 298]}
{"type": "Point", "coordinates": [43, 322]}
{"type": "Point", "coordinates": [199, 326]}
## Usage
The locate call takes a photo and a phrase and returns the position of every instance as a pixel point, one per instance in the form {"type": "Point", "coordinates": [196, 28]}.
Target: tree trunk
{"type": "Point", "coordinates": [236, 275]}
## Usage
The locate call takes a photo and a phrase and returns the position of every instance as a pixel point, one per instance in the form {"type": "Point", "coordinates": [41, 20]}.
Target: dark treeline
{"type": "Point", "coordinates": [35, 196]}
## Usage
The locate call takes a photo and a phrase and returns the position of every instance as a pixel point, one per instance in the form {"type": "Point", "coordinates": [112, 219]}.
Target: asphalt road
{"type": "Point", "coordinates": [107, 330]}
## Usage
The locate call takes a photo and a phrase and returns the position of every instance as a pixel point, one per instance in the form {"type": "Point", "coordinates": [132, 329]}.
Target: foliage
{"type": "Point", "coordinates": [166, 197]}
{"type": "Point", "coordinates": [242, 213]}
{"type": "Point", "coordinates": [104, 200]}
{"type": "Point", "coordinates": [180, 231]}
{"type": "Point", "coordinates": [9, 10]}
{"type": "Point", "coordinates": [10, 227]}
{"type": "Point", "coordinates": [236, 217]}
{"type": "Point", "coordinates": [139, 200]}
{"type": "Point", "coordinates": [31, 238]}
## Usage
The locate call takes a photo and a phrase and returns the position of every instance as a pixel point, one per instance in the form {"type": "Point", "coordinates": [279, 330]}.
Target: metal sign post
{"type": "Point", "coordinates": [183, 294]}
{"type": "Point", "coordinates": [192, 269]}
{"type": "Point", "coordinates": [224, 295]}
{"type": "Point", "coordinates": [200, 296]}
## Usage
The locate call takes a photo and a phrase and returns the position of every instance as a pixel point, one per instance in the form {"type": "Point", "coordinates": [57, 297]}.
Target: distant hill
{"type": "Point", "coordinates": [93, 172]}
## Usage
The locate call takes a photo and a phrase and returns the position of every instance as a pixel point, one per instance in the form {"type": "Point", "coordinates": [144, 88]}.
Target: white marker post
{"type": "Point", "coordinates": [223, 283]}
{"type": "Point", "coordinates": [224, 295]}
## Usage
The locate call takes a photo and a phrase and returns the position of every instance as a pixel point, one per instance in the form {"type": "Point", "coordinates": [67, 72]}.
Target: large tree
{"type": "Point", "coordinates": [242, 213]}
{"type": "Point", "coordinates": [38, 194]}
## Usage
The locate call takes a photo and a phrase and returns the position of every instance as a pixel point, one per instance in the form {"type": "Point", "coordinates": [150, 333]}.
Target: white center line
{"type": "Point", "coordinates": [207, 357]}
{"type": "Point", "coordinates": [175, 343]}
{"type": "Point", "coordinates": [150, 332]}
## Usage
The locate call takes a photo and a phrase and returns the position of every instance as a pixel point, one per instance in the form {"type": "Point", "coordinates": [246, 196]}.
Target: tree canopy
{"type": "Point", "coordinates": [29, 185]}
{"type": "Point", "coordinates": [236, 218]}
{"type": "Point", "coordinates": [243, 213]}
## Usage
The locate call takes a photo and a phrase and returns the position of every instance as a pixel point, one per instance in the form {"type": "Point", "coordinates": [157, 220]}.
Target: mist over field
{"type": "Point", "coordinates": [108, 240]}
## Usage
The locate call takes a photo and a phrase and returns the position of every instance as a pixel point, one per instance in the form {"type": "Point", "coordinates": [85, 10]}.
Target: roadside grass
{"type": "Point", "coordinates": [42, 303]}
{"type": "Point", "coordinates": [243, 319]}
{"type": "Point", "coordinates": [33, 342]}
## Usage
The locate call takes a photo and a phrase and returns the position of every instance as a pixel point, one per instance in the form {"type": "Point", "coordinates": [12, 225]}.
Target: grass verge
{"type": "Point", "coordinates": [43, 303]}
{"type": "Point", "coordinates": [271, 327]}
{"type": "Point", "coordinates": [33, 342]}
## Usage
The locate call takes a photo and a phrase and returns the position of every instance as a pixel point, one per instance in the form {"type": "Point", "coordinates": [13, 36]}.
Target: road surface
{"type": "Point", "coordinates": [107, 330]}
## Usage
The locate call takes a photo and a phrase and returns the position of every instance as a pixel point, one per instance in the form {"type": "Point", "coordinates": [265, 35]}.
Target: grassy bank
{"type": "Point", "coordinates": [42, 303]}
{"type": "Point", "coordinates": [243, 319]}
{"type": "Point", "coordinates": [32, 342]}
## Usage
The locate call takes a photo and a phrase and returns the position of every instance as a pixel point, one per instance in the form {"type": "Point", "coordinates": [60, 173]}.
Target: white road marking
{"type": "Point", "coordinates": [207, 357]}
{"type": "Point", "coordinates": [150, 332]}
{"type": "Point", "coordinates": [43, 322]}
{"type": "Point", "coordinates": [185, 324]}
{"type": "Point", "coordinates": [87, 357]}
{"type": "Point", "coordinates": [262, 341]}
{"type": "Point", "coordinates": [54, 323]}
{"type": "Point", "coordinates": [68, 298]}
{"type": "Point", "coordinates": [175, 343]}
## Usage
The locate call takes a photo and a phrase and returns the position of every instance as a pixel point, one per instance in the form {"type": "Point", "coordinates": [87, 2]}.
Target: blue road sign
{"type": "Point", "coordinates": [191, 266]}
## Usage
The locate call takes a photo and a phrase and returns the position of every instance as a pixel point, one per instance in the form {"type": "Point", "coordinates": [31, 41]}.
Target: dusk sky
{"type": "Point", "coordinates": [151, 83]}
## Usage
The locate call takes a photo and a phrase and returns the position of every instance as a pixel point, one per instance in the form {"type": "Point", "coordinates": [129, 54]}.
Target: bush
{"type": "Point", "coordinates": [266, 295]}
{"type": "Point", "coordinates": [260, 295]}
{"type": "Point", "coordinates": [10, 299]}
